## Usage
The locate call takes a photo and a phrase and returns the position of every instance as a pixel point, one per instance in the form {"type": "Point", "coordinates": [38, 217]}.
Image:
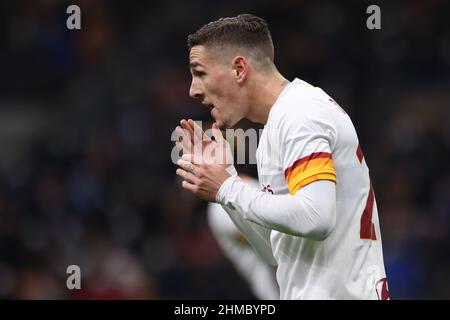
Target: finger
{"type": "Point", "coordinates": [189, 186]}
{"type": "Point", "coordinates": [223, 154]}
{"type": "Point", "coordinates": [188, 157]}
{"type": "Point", "coordinates": [178, 146]}
{"type": "Point", "coordinates": [199, 141]}
{"type": "Point", "coordinates": [186, 165]}
{"type": "Point", "coordinates": [186, 141]}
{"type": "Point", "coordinates": [216, 132]}
{"type": "Point", "coordinates": [199, 134]}
{"type": "Point", "coordinates": [184, 134]}
{"type": "Point", "coordinates": [192, 158]}
{"type": "Point", "coordinates": [185, 125]}
{"type": "Point", "coordinates": [189, 177]}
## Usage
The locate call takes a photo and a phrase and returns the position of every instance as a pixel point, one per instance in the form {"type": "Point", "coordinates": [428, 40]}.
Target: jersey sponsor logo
{"type": "Point", "coordinates": [267, 188]}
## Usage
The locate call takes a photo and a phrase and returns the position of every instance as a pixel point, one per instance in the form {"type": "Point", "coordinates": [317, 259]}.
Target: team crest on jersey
{"type": "Point", "coordinates": [267, 189]}
{"type": "Point", "coordinates": [381, 287]}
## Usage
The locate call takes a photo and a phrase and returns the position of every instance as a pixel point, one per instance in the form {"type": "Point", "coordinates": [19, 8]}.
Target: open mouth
{"type": "Point", "coordinates": [210, 107]}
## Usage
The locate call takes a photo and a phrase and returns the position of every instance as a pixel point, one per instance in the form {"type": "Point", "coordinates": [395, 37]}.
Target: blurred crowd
{"type": "Point", "coordinates": [86, 118]}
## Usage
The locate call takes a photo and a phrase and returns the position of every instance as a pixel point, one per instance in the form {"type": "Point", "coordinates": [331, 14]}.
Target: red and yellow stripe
{"type": "Point", "coordinates": [316, 166]}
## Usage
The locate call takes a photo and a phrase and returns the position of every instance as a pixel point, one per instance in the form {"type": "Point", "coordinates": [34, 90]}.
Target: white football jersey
{"type": "Point", "coordinates": [308, 137]}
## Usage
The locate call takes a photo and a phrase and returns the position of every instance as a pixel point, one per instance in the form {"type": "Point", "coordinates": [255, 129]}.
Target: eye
{"type": "Point", "coordinates": [199, 74]}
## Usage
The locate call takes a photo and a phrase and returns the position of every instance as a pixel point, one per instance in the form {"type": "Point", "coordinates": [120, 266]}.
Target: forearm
{"type": "Point", "coordinates": [310, 213]}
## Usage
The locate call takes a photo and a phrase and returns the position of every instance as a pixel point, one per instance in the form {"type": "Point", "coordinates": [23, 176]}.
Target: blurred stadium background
{"type": "Point", "coordinates": [86, 118]}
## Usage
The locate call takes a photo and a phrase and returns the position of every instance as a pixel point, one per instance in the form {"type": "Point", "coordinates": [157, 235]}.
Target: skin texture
{"type": "Point", "coordinates": [219, 84]}
{"type": "Point", "coordinates": [202, 174]}
{"type": "Point", "coordinates": [234, 87]}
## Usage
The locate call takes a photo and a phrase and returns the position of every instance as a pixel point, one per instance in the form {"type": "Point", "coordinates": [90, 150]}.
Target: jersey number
{"type": "Point", "coordinates": [367, 230]}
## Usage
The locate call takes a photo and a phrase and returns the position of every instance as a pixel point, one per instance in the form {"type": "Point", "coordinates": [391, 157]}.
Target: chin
{"type": "Point", "coordinates": [221, 124]}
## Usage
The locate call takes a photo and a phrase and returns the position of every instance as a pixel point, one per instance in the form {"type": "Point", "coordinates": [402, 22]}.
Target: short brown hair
{"type": "Point", "coordinates": [243, 31]}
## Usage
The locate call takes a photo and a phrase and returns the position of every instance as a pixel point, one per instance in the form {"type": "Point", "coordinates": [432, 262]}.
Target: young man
{"type": "Point", "coordinates": [317, 220]}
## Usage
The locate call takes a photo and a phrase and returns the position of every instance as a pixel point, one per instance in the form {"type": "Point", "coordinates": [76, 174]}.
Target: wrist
{"type": "Point", "coordinates": [232, 171]}
{"type": "Point", "coordinates": [224, 189]}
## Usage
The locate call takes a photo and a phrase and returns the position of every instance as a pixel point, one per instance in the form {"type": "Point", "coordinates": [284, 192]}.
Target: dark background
{"type": "Point", "coordinates": [86, 118]}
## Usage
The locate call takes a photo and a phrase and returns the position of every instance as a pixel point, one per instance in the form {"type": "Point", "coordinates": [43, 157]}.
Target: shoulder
{"type": "Point", "coordinates": [302, 108]}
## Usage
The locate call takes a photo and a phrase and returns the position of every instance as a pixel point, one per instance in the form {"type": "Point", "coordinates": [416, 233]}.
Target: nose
{"type": "Point", "coordinates": [194, 90]}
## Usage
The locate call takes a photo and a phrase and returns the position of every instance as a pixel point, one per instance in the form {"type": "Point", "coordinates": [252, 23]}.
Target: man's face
{"type": "Point", "coordinates": [214, 84]}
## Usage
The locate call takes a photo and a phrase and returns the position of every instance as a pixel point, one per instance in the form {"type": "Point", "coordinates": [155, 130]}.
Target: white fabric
{"type": "Point", "coordinates": [314, 239]}
{"type": "Point", "coordinates": [311, 213]}
{"type": "Point", "coordinates": [231, 171]}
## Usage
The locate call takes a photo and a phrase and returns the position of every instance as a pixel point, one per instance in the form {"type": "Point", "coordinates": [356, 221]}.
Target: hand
{"type": "Point", "coordinates": [203, 180]}
{"type": "Point", "coordinates": [204, 149]}
{"type": "Point", "coordinates": [204, 169]}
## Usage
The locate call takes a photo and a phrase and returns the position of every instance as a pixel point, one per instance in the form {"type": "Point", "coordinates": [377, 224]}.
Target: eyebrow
{"type": "Point", "coordinates": [195, 64]}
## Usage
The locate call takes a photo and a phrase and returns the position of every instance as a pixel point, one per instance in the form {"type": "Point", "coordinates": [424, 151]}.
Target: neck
{"type": "Point", "coordinates": [265, 92]}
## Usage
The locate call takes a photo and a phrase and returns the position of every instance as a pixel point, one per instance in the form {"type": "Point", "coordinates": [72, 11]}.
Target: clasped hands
{"type": "Point", "coordinates": [204, 161]}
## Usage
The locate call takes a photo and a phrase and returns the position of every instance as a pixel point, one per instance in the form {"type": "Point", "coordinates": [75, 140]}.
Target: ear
{"type": "Point", "coordinates": [240, 68]}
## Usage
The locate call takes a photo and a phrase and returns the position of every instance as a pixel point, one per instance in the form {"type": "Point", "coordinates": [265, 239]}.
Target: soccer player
{"type": "Point", "coordinates": [259, 275]}
{"type": "Point", "coordinates": [316, 218]}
